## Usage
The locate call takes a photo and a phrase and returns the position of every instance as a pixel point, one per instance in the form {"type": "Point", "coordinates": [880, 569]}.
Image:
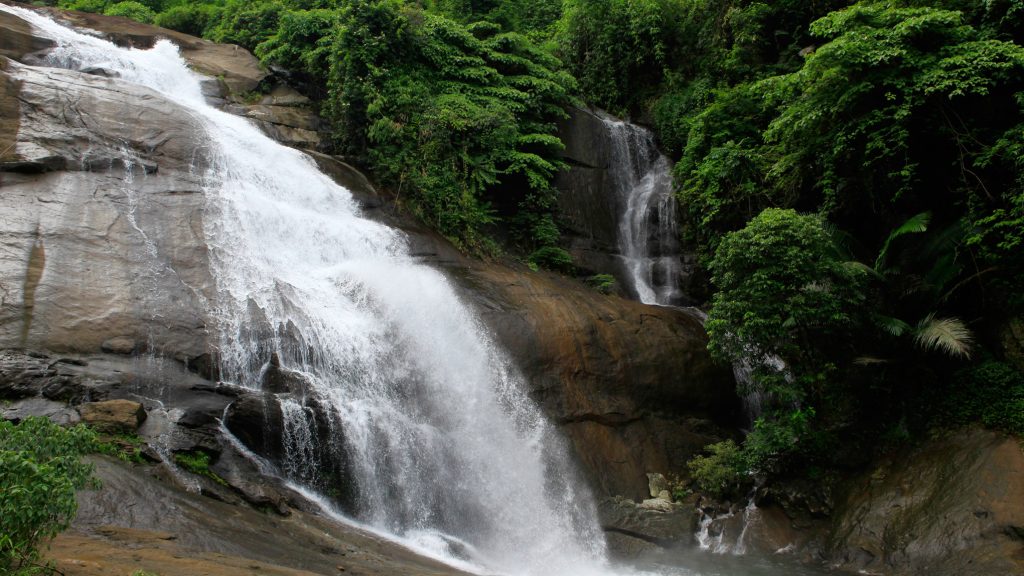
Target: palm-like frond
{"type": "Point", "coordinates": [949, 335]}
{"type": "Point", "coordinates": [892, 325]}
{"type": "Point", "coordinates": [914, 225]}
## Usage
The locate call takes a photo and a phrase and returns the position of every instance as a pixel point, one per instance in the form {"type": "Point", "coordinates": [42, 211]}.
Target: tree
{"type": "Point", "coordinates": [786, 303]}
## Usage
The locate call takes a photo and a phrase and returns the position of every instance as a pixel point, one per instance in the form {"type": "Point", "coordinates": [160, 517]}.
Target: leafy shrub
{"type": "Point", "coordinates": [131, 9]}
{"type": "Point", "coordinates": [723, 472]}
{"type": "Point", "coordinates": [40, 469]}
{"type": "Point", "coordinates": [97, 6]}
{"type": "Point", "coordinates": [244, 23]}
{"type": "Point", "coordinates": [552, 258]}
{"type": "Point", "coordinates": [603, 283]}
{"type": "Point", "coordinates": [451, 115]}
{"type": "Point", "coordinates": [188, 18]}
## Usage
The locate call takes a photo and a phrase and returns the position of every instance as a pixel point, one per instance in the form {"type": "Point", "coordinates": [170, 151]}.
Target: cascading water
{"type": "Point", "coordinates": [438, 435]}
{"type": "Point", "coordinates": [648, 228]}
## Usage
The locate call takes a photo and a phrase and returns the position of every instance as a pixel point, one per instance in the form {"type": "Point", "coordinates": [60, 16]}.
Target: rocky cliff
{"type": "Point", "coordinates": [106, 283]}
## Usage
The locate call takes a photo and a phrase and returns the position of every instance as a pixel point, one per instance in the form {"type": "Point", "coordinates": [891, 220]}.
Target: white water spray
{"type": "Point", "coordinates": [438, 435]}
{"type": "Point", "coordinates": [648, 228]}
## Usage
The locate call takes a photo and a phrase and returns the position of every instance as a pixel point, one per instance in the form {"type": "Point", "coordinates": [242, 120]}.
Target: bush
{"type": "Point", "coordinates": [84, 5]}
{"type": "Point", "coordinates": [552, 258]}
{"type": "Point", "coordinates": [603, 283]}
{"type": "Point", "coordinates": [134, 10]}
{"type": "Point", "coordinates": [190, 18]}
{"type": "Point", "coordinates": [723, 473]}
{"type": "Point", "coordinates": [40, 469]}
{"type": "Point", "coordinates": [991, 393]}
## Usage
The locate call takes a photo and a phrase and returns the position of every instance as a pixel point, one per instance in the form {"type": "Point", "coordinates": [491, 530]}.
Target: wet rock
{"type": "Point", "coordinates": [237, 69]}
{"type": "Point", "coordinates": [17, 38]}
{"type": "Point", "coordinates": [626, 547]}
{"type": "Point", "coordinates": [664, 524]}
{"type": "Point", "coordinates": [113, 416]}
{"type": "Point", "coordinates": [257, 421]}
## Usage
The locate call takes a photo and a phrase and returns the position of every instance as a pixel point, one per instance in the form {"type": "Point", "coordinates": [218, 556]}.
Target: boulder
{"type": "Point", "coordinates": [662, 526]}
{"type": "Point", "coordinates": [113, 416]}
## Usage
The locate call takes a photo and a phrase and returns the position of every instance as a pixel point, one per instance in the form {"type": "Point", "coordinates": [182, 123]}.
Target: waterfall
{"type": "Point", "coordinates": [648, 227]}
{"type": "Point", "coordinates": [439, 439]}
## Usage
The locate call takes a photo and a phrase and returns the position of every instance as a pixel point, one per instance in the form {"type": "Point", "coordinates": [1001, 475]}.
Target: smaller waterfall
{"type": "Point", "coordinates": [648, 227]}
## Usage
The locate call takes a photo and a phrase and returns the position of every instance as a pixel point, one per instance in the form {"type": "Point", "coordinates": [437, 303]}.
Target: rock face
{"type": "Point", "coordinates": [590, 207]}
{"type": "Point", "coordinates": [954, 506]}
{"type": "Point", "coordinates": [587, 205]}
{"type": "Point", "coordinates": [103, 231]}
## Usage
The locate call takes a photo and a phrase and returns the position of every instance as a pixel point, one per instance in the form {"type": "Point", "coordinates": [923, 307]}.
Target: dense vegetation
{"type": "Point", "coordinates": [850, 172]}
{"type": "Point", "coordinates": [40, 469]}
{"type": "Point", "coordinates": [851, 176]}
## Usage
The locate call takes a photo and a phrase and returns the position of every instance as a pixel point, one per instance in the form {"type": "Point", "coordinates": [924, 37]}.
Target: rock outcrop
{"type": "Point", "coordinates": [953, 506]}
{"type": "Point", "coordinates": [103, 235]}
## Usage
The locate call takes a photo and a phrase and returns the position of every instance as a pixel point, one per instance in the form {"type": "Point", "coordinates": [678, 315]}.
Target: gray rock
{"type": "Point", "coordinates": [664, 524]}
{"type": "Point", "coordinates": [657, 484]}
{"type": "Point", "coordinates": [57, 412]}
{"type": "Point", "coordinates": [83, 261]}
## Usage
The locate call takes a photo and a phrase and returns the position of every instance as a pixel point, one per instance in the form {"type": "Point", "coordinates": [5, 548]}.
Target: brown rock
{"type": "Point", "coordinates": [17, 38]}
{"type": "Point", "coordinates": [114, 416]}
{"type": "Point", "coordinates": [954, 506]}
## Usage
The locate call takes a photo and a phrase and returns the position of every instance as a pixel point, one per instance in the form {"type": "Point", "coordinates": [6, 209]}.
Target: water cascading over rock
{"type": "Point", "coordinates": [385, 370]}
{"type": "Point", "coordinates": [648, 226]}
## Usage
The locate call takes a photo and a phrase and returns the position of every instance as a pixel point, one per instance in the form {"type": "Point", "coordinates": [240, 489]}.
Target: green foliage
{"type": "Point", "coordinates": [245, 23]}
{"type": "Point", "coordinates": [991, 392]}
{"type": "Point", "coordinates": [302, 42]}
{"type": "Point", "coordinates": [84, 5]}
{"type": "Point", "coordinates": [131, 9]}
{"type": "Point", "coordinates": [603, 283]}
{"type": "Point", "coordinates": [198, 462]}
{"type": "Point", "coordinates": [786, 304]}
{"type": "Point", "coordinates": [619, 50]}
{"type": "Point", "coordinates": [723, 473]}
{"type": "Point", "coordinates": [40, 469]}
{"type": "Point", "coordinates": [188, 18]}
{"type": "Point", "coordinates": [450, 115]}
